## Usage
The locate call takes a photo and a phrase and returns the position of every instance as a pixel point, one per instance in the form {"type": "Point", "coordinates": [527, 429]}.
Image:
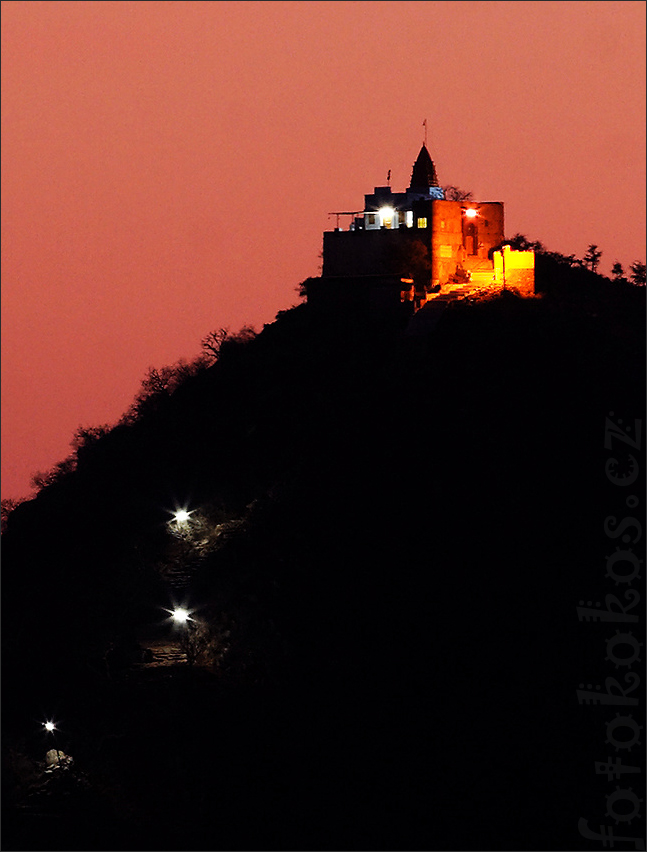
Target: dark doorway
{"type": "Point", "coordinates": [471, 239]}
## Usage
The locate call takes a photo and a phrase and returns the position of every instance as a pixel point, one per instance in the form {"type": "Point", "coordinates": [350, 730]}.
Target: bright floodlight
{"type": "Point", "coordinates": [180, 615]}
{"type": "Point", "coordinates": [471, 213]}
{"type": "Point", "coordinates": [181, 516]}
{"type": "Point", "coordinates": [386, 214]}
{"type": "Point", "coordinates": [49, 726]}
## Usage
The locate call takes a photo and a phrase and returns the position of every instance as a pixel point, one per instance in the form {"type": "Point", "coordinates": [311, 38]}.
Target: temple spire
{"type": "Point", "coordinates": [424, 172]}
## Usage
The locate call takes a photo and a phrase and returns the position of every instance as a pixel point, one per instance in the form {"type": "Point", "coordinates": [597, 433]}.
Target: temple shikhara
{"type": "Point", "coordinates": [418, 245]}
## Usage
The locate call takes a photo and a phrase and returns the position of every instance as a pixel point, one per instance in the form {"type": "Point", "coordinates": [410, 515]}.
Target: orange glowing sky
{"type": "Point", "coordinates": [168, 167]}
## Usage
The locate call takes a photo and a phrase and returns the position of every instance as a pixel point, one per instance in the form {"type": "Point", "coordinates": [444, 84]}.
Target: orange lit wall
{"type": "Point", "coordinates": [490, 227]}
{"type": "Point", "coordinates": [515, 270]}
{"type": "Point", "coordinates": [446, 240]}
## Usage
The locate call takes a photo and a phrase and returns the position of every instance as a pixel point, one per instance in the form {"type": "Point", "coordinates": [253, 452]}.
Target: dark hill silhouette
{"type": "Point", "coordinates": [391, 533]}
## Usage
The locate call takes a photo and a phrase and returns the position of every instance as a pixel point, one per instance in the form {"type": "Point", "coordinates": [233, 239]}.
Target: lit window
{"type": "Point", "coordinates": [409, 217]}
{"type": "Point", "coordinates": [422, 221]}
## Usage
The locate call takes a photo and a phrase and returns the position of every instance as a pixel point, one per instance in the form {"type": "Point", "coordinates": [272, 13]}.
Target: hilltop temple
{"type": "Point", "coordinates": [414, 245]}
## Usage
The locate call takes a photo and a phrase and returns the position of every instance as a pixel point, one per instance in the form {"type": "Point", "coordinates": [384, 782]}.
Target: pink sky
{"type": "Point", "coordinates": [168, 167]}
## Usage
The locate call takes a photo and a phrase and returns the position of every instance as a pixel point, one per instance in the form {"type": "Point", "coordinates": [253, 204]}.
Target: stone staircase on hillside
{"type": "Point", "coordinates": [481, 281]}
{"type": "Point", "coordinates": [482, 272]}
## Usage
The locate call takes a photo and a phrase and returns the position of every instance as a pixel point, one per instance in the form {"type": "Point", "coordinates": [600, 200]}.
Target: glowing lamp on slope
{"type": "Point", "coordinates": [49, 726]}
{"type": "Point", "coordinates": [181, 516]}
{"type": "Point", "coordinates": [180, 615]}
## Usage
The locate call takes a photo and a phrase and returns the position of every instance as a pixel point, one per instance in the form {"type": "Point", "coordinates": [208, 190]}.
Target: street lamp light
{"type": "Point", "coordinates": [181, 516]}
{"type": "Point", "coordinates": [49, 726]}
{"type": "Point", "coordinates": [180, 615]}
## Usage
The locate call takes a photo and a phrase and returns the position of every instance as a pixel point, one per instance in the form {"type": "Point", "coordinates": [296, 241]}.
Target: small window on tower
{"type": "Point", "coordinates": [422, 221]}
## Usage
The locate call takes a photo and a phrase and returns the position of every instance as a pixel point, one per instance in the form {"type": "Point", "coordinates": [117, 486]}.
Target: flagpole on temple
{"type": "Point", "coordinates": [424, 124]}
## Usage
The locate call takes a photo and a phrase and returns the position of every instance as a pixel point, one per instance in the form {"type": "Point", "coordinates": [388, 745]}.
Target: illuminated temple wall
{"type": "Point", "coordinates": [446, 240]}
{"type": "Point", "coordinates": [515, 270]}
{"type": "Point", "coordinates": [488, 226]}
